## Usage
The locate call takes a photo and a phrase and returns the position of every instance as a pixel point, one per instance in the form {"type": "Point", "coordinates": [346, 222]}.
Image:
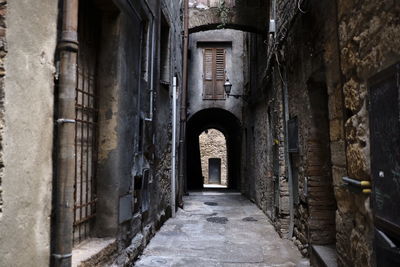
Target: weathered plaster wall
{"type": "Point", "coordinates": [3, 53]}
{"type": "Point", "coordinates": [117, 116]}
{"type": "Point", "coordinates": [28, 132]}
{"type": "Point", "coordinates": [234, 68]}
{"type": "Point", "coordinates": [213, 145]}
{"type": "Point", "coordinates": [152, 205]}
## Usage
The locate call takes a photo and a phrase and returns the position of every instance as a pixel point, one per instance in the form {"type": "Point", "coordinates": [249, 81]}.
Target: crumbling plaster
{"type": "Point", "coordinates": [234, 70]}
{"type": "Point", "coordinates": [28, 133]}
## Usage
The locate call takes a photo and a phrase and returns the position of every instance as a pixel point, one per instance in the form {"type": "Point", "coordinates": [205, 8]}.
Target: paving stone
{"type": "Point", "coordinates": [246, 238]}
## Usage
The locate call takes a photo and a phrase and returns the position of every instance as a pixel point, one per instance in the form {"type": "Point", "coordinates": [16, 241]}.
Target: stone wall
{"type": "Point", "coordinates": [337, 45]}
{"type": "Point", "coordinates": [213, 145]}
{"type": "Point", "coordinates": [3, 53]}
{"type": "Point", "coordinates": [307, 74]}
{"type": "Point", "coordinates": [369, 35]}
{"type": "Point", "coordinates": [27, 143]}
{"type": "Point", "coordinates": [247, 15]}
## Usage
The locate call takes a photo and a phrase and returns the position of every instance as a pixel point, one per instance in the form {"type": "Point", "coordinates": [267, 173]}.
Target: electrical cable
{"type": "Point", "coordinates": [299, 7]}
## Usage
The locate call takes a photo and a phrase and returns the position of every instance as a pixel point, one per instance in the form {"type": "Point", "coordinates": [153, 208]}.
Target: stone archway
{"type": "Point", "coordinates": [245, 15]}
{"type": "Point", "coordinates": [230, 126]}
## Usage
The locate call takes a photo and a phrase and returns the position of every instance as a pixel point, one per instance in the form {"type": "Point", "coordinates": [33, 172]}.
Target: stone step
{"type": "Point", "coordinates": [323, 256]}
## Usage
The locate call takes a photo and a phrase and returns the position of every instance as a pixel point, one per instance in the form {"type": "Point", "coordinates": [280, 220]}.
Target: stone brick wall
{"type": "Point", "coordinates": [265, 160]}
{"type": "Point", "coordinates": [241, 14]}
{"type": "Point", "coordinates": [3, 53]}
{"type": "Point", "coordinates": [344, 44]}
{"type": "Point", "coordinates": [282, 218]}
{"type": "Point", "coordinates": [213, 145]}
{"type": "Point", "coordinates": [307, 73]}
{"type": "Point", "coordinates": [299, 54]}
{"type": "Point", "coordinates": [369, 35]}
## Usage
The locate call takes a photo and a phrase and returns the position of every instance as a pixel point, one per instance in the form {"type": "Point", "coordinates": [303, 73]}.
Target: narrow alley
{"type": "Point", "coordinates": [219, 228]}
{"type": "Point", "coordinates": [200, 133]}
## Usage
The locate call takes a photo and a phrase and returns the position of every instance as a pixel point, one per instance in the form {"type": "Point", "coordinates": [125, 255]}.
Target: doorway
{"type": "Point", "coordinates": [385, 165]}
{"type": "Point", "coordinates": [213, 153]}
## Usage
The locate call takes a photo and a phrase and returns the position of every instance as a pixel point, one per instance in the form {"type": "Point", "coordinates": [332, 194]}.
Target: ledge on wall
{"type": "Point", "coordinates": [323, 256]}
{"type": "Point", "coordinates": [93, 252]}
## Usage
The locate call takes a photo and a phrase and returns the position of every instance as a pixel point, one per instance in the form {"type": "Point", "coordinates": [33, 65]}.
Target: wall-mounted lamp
{"type": "Point", "coordinates": [228, 88]}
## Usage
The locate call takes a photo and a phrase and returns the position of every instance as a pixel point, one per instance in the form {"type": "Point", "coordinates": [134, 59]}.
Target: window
{"type": "Point", "coordinates": [214, 73]}
{"type": "Point", "coordinates": [145, 50]}
{"type": "Point", "coordinates": [165, 51]}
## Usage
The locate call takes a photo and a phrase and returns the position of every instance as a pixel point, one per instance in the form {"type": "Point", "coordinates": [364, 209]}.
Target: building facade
{"type": "Point", "coordinates": [89, 96]}
{"type": "Point", "coordinates": [90, 88]}
{"type": "Point", "coordinates": [317, 131]}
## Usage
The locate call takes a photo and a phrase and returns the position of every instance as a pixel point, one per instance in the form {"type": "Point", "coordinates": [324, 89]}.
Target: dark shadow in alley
{"type": "Point", "coordinates": [229, 125]}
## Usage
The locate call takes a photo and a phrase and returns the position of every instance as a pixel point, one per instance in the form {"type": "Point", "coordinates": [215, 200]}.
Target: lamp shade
{"type": "Point", "coordinates": [227, 86]}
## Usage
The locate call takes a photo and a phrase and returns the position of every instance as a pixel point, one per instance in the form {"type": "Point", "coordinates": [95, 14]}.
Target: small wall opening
{"type": "Point", "coordinates": [164, 51]}
{"type": "Point", "coordinates": [213, 154]}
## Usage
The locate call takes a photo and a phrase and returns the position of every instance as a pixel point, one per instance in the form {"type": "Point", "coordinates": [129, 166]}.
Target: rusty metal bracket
{"type": "Point", "coordinates": [363, 186]}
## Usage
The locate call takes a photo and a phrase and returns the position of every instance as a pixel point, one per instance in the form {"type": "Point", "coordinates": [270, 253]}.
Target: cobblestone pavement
{"type": "Point", "coordinates": [219, 229]}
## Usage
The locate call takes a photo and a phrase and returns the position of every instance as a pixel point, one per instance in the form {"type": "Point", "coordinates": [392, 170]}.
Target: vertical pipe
{"type": "Point", "coordinates": [68, 48]}
{"type": "Point", "coordinates": [173, 163]}
{"type": "Point", "coordinates": [153, 51]}
{"type": "Point", "coordinates": [182, 135]}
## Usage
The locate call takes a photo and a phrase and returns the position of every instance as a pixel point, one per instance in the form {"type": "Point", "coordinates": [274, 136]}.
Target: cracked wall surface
{"type": "Point", "coordinates": [3, 53]}
{"type": "Point", "coordinates": [27, 141]}
{"type": "Point", "coordinates": [369, 39]}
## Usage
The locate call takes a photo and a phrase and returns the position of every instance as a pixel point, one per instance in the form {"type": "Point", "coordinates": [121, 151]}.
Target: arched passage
{"type": "Point", "coordinates": [214, 157]}
{"type": "Point", "coordinates": [245, 15]}
{"type": "Point", "coordinates": [230, 126]}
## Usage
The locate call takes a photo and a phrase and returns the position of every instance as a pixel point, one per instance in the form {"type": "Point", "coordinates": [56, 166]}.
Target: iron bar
{"type": "Point", "coordinates": [92, 202]}
{"type": "Point", "coordinates": [86, 128]}
{"type": "Point", "coordinates": [84, 220]}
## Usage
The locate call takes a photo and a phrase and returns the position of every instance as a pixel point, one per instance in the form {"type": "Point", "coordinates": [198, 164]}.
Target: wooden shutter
{"type": "Point", "coordinates": [214, 73]}
{"type": "Point", "coordinates": [208, 74]}
{"type": "Point", "coordinates": [219, 92]}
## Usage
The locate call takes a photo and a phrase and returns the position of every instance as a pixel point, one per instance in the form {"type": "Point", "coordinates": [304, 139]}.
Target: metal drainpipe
{"type": "Point", "coordinates": [182, 135]}
{"type": "Point", "coordinates": [68, 49]}
{"type": "Point", "coordinates": [173, 158]}
{"type": "Point", "coordinates": [153, 48]}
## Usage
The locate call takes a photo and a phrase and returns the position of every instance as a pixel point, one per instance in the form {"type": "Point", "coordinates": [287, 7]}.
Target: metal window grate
{"type": "Point", "coordinates": [85, 128]}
